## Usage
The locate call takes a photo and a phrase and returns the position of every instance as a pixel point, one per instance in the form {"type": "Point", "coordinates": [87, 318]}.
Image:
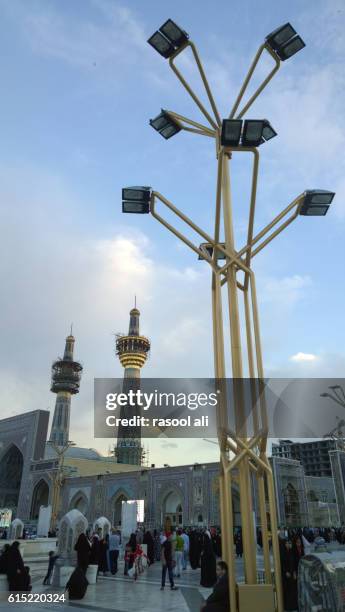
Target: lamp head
{"type": "Point", "coordinates": [136, 200]}
{"type": "Point", "coordinates": [316, 202]}
{"type": "Point", "coordinates": [168, 39]}
{"type": "Point", "coordinates": [165, 125]}
{"type": "Point", "coordinates": [284, 41]}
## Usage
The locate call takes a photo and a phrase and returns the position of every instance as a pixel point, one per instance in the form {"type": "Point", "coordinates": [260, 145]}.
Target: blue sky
{"type": "Point", "coordinates": [79, 85]}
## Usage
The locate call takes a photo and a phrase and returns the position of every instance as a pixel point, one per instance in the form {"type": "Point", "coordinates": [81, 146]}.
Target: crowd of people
{"type": "Point", "coordinates": [174, 549]}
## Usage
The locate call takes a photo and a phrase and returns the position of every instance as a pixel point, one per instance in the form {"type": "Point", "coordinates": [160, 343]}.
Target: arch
{"type": "Point", "coordinates": [79, 502]}
{"type": "Point", "coordinates": [119, 497]}
{"type": "Point", "coordinates": [40, 497]}
{"type": "Point", "coordinates": [172, 508]}
{"type": "Point", "coordinates": [11, 471]}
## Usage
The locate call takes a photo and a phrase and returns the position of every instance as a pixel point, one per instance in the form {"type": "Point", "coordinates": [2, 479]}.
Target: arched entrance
{"type": "Point", "coordinates": [172, 510]}
{"type": "Point", "coordinates": [11, 470]}
{"type": "Point", "coordinates": [117, 512]}
{"type": "Point", "coordinates": [40, 498]}
{"type": "Point", "coordinates": [79, 502]}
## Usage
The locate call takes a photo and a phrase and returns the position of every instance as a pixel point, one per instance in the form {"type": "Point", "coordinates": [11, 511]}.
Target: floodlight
{"type": "Point", "coordinates": [256, 132]}
{"type": "Point", "coordinates": [165, 125]}
{"type": "Point", "coordinates": [231, 132]}
{"type": "Point", "coordinates": [316, 202]}
{"type": "Point", "coordinates": [285, 41]}
{"type": "Point", "coordinates": [136, 200]}
{"type": "Point", "coordinates": [290, 48]}
{"type": "Point", "coordinates": [280, 36]}
{"type": "Point", "coordinates": [174, 33]}
{"type": "Point", "coordinates": [268, 132]}
{"type": "Point", "coordinates": [141, 194]}
{"type": "Point", "coordinates": [207, 246]}
{"type": "Point", "coordinates": [252, 132]}
{"type": "Point", "coordinates": [138, 208]}
{"type": "Point", "coordinates": [161, 44]}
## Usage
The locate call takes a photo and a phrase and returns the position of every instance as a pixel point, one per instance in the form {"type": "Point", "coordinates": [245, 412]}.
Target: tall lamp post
{"type": "Point", "coordinates": [238, 449]}
{"type": "Point", "coordinates": [58, 479]}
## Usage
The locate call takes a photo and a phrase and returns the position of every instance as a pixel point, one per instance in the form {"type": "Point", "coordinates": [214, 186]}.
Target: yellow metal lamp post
{"type": "Point", "coordinates": [58, 477]}
{"type": "Point", "coordinates": [238, 449]}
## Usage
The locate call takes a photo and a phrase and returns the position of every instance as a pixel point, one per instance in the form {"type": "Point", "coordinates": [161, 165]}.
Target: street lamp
{"type": "Point", "coordinates": [239, 451]}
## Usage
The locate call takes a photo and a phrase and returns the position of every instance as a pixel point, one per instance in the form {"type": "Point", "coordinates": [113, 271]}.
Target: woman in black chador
{"type": "Point", "coordinates": [77, 584]}
{"type": "Point", "coordinates": [289, 576]}
{"type": "Point", "coordinates": [103, 561]}
{"type": "Point", "coordinates": [15, 567]}
{"type": "Point", "coordinates": [83, 552]}
{"type": "Point", "coordinates": [193, 549]}
{"type": "Point", "coordinates": [208, 576]}
{"type": "Point", "coordinates": [3, 559]}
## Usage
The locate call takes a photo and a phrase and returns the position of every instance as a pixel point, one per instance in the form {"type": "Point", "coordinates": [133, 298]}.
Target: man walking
{"type": "Point", "coordinates": [167, 562]}
{"type": "Point", "coordinates": [114, 550]}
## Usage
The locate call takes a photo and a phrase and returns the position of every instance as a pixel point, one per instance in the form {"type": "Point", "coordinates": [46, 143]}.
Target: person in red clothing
{"type": "Point", "coordinates": [130, 553]}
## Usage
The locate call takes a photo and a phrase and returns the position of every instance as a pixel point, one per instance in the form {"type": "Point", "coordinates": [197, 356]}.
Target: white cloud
{"type": "Point", "coordinates": [303, 357]}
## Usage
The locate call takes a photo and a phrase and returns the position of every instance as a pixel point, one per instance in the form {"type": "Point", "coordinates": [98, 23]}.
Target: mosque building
{"type": "Point", "coordinates": [37, 471]}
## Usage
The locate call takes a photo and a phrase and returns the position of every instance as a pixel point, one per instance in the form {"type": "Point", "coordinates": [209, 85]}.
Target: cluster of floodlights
{"type": "Point", "coordinates": [315, 203]}
{"type": "Point", "coordinates": [253, 134]}
{"type": "Point", "coordinates": [168, 39]}
{"type": "Point", "coordinates": [284, 41]}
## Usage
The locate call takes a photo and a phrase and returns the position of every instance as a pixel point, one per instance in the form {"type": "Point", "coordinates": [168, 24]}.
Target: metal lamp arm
{"type": "Point", "coordinates": [248, 79]}
{"type": "Point", "coordinates": [198, 128]}
{"type": "Point", "coordinates": [270, 226]}
{"type": "Point", "coordinates": [187, 87]}
{"type": "Point", "coordinates": [201, 252]}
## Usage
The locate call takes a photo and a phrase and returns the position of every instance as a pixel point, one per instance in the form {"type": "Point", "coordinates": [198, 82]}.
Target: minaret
{"type": "Point", "coordinates": [132, 351]}
{"type": "Point", "coordinates": [66, 374]}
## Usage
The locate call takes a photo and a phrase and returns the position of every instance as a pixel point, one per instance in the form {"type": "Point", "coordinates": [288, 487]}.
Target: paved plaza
{"type": "Point", "coordinates": [121, 594]}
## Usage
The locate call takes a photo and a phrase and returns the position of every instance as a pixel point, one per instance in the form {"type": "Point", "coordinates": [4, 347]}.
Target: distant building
{"type": "Point", "coordinates": [313, 455]}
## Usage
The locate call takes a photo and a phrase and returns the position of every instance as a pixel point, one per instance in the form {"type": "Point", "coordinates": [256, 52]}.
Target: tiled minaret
{"type": "Point", "coordinates": [66, 374]}
{"type": "Point", "coordinates": [132, 351]}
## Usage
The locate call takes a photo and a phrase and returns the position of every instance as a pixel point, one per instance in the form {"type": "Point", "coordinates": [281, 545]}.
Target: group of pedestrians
{"type": "Point", "coordinates": [11, 564]}
{"type": "Point", "coordinates": [101, 550]}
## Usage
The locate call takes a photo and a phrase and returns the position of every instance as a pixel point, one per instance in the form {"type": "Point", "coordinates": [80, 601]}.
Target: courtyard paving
{"type": "Point", "coordinates": [121, 594]}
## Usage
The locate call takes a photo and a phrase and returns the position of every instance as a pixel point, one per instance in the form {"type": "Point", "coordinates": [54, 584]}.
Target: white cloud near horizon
{"type": "Point", "coordinates": [303, 357]}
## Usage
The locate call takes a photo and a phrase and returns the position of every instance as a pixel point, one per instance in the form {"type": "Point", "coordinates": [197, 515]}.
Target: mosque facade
{"type": "Point", "coordinates": [37, 470]}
